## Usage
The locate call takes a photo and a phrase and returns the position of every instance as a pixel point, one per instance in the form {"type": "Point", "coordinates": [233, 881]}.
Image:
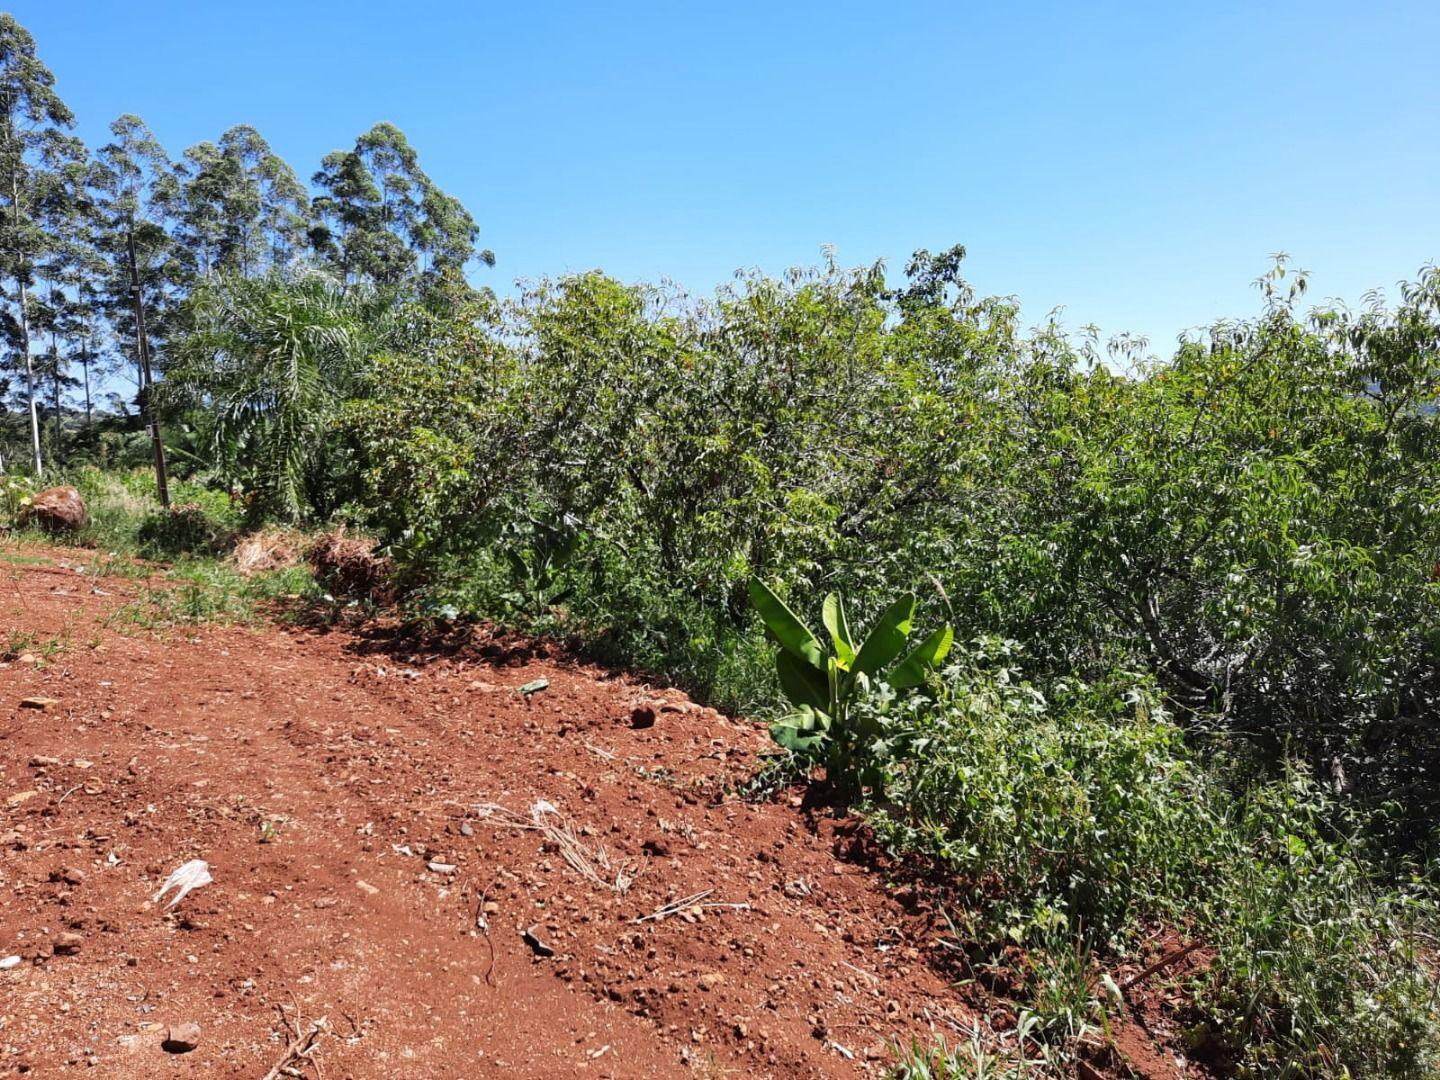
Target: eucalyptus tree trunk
{"type": "Point", "coordinates": [85, 367]}
{"type": "Point", "coordinates": [30, 381]}
{"type": "Point", "coordinates": [147, 382]}
{"type": "Point", "coordinates": [20, 271]}
{"type": "Point", "coordinates": [55, 452]}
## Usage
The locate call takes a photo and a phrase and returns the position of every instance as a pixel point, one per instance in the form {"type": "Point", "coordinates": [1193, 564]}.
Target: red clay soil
{"type": "Point", "coordinates": [332, 782]}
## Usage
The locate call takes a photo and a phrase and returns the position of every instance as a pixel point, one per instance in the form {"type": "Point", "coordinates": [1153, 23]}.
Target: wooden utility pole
{"type": "Point", "coordinates": [147, 381]}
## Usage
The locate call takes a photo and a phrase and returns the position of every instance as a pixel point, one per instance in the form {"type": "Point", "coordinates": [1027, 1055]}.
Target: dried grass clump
{"type": "Point", "coordinates": [591, 863]}
{"type": "Point", "coordinates": [268, 549]}
{"type": "Point", "coordinates": [348, 566]}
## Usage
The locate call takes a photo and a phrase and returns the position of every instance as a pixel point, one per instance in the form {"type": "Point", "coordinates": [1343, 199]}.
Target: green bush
{"type": "Point", "coordinates": [1074, 813]}
{"type": "Point", "coordinates": [1319, 967]}
{"type": "Point", "coordinates": [183, 529]}
{"type": "Point", "coordinates": [1077, 817]}
{"type": "Point", "coordinates": [1249, 521]}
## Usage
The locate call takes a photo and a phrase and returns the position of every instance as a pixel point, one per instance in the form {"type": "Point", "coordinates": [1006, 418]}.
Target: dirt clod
{"type": "Point", "coordinates": [57, 510]}
{"type": "Point", "coordinates": [181, 1038]}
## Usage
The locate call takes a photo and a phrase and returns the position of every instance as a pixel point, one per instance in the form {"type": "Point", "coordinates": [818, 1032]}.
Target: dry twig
{"type": "Point", "coordinates": [300, 1049]}
{"type": "Point", "coordinates": [1164, 962]}
{"type": "Point", "coordinates": [675, 907]}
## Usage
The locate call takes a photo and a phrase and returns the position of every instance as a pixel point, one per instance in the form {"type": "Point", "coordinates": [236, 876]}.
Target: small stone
{"type": "Point", "coordinates": [366, 887]}
{"type": "Point", "coordinates": [538, 947]}
{"type": "Point", "coordinates": [40, 761]}
{"type": "Point", "coordinates": [67, 944]}
{"type": "Point", "coordinates": [491, 907]}
{"type": "Point", "coordinates": [466, 829]}
{"type": "Point", "coordinates": [181, 1038]}
{"type": "Point", "coordinates": [9, 962]}
{"type": "Point", "coordinates": [326, 902]}
{"type": "Point", "coordinates": [69, 875]}
{"type": "Point", "coordinates": [710, 980]}
{"type": "Point", "coordinates": [442, 867]}
{"type": "Point", "coordinates": [40, 704]}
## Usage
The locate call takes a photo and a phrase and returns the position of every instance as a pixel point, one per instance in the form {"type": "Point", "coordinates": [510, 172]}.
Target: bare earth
{"type": "Point", "coordinates": [331, 780]}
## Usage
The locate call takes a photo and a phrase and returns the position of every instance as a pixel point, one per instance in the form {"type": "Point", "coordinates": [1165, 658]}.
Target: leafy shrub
{"type": "Point", "coordinates": [1079, 816]}
{"type": "Point", "coordinates": [1250, 521]}
{"type": "Point", "coordinates": [183, 529]}
{"type": "Point", "coordinates": [1318, 967]}
{"type": "Point", "coordinates": [1074, 813]}
{"type": "Point", "coordinates": [15, 493]}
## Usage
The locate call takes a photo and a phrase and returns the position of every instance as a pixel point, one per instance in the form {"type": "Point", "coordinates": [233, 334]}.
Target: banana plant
{"type": "Point", "coordinates": [823, 685]}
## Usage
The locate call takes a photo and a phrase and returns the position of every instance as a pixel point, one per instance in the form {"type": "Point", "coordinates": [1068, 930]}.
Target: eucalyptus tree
{"type": "Point", "coordinates": [380, 218]}
{"type": "Point", "coordinates": [65, 214]}
{"type": "Point", "coordinates": [136, 192]}
{"type": "Point", "coordinates": [243, 209]}
{"type": "Point", "coordinates": [32, 119]}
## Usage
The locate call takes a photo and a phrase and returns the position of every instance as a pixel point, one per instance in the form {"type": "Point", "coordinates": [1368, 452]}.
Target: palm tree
{"type": "Point", "coordinates": [272, 359]}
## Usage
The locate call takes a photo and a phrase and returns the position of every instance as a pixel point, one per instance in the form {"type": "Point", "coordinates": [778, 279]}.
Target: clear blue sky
{"type": "Point", "coordinates": [1136, 163]}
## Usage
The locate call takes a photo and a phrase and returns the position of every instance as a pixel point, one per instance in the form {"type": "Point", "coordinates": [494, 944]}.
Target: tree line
{"type": "Point", "coordinates": [101, 248]}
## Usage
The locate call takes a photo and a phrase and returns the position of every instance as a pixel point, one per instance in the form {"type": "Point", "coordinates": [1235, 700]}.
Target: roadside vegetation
{"type": "Point", "coordinates": [1129, 646]}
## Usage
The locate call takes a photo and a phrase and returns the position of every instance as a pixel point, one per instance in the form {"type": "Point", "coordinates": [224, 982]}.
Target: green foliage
{"type": "Point", "coordinates": [1320, 964]}
{"type": "Point", "coordinates": [825, 687]}
{"type": "Point", "coordinates": [985, 1055]}
{"type": "Point", "coordinates": [204, 591]}
{"type": "Point", "coordinates": [1055, 814]}
{"type": "Point", "coordinates": [15, 492]}
{"type": "Point", "coordinates": [1069, 821]}
{"type": "Point", "coordinates": [270, 360]}
{"type": "Point", "coordinates": [183, 528]}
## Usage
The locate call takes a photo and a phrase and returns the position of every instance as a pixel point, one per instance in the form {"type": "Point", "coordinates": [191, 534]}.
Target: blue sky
{"type": "Point", "coordinates": [1136, 163]}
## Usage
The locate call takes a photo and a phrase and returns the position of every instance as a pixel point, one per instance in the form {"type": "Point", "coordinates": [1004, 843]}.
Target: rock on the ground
{"type": "Point", "coordinates": [181, 1038]}
{"type": "Point", "coordinates": [67, 944]}
{"type": "Point", "coordinates": [57, 509]}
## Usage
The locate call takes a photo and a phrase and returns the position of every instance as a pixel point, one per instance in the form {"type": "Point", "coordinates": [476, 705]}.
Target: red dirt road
{"type": "Point", "coordinates": [321, 776]}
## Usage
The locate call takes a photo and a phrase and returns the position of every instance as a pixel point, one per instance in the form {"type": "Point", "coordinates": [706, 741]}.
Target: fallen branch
{"type": "Point", "coordinates": [299, 1050]}
{"type": "Point", "coordinates": [1164, 962]}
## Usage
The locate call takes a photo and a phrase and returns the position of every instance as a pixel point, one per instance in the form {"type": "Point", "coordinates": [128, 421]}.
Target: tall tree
{"type": "Point", "coordinates": [243, 209]}
{"type": "Point", "coordinates": [381, 219]}
{"type": "Point", "coordinates": [65, 214]}
{"type": "Point", "coordinates": [136, 192]}
{"type": "Point", "coordinates": [32, 117]}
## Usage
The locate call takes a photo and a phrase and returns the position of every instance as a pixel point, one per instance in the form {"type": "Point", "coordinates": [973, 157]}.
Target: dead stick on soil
{"type": "Point", "coordinates": [300, 1048]}
{"type": "Point", "coordinates": [483, 924]}
{"type": "Point", "coordinates": [674, 907]}
{"type": "Point", "coordinates": [67, 794]}
{"type": "Point", "coordinates": [1163, 962]}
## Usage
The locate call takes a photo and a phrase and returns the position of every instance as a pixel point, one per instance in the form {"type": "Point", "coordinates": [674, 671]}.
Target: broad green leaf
{"type": "Point", "coordinates": [923, 659]}
{"type": "Point", "coordinates": [802, 731]}
{"type": "Point", "coordinates": [887, 637]}
{"type": "Point", "coordinates": [803, 683]}
{"type": "Point", "coordinates": [833, 616]}
{"type": "Point", "coordinates": [793, 635]}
